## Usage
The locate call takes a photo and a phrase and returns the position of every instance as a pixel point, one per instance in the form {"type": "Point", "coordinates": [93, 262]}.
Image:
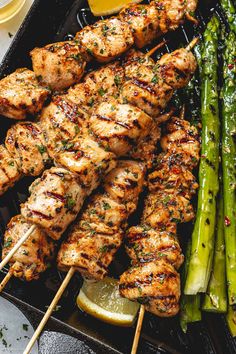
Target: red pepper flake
{"type": "Point", "coordinates": [203, 156]}
{"type": "Point", "coordinates": [231, 66]}
{"type": "Point", "coordinates": [227, 221]}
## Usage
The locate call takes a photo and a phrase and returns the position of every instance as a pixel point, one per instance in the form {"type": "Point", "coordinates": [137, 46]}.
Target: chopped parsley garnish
{"type": "Point", "coordinates": [41, 148]}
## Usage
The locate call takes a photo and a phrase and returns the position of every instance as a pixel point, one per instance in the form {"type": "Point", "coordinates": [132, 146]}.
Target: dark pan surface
{"type": "Point", "coordinates": [56, 20]}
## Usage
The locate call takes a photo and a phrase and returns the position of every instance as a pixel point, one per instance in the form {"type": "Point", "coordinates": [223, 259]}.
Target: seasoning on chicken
{"type": "Point", "coordinates": [55, 200]}
{"type": "Point", "coordinates": [118, 127]}
{"type": "Point", "coordinates": [98, 233]}
{"type": "Point", "coordinates": [143, 20]}
{"type": "Point", "coordinates": [105, 40]}
{"type": "Point", "coordinates": [153, 246]}
{"type": "Point", "coordinates": [150, 86]}
{"type": "Point", "coordinates": [146, 149]}
{"type": "Point", "coordinates": [97, 86]}
{"type": "Point", "coordinates": [84, 157]}
{"type": "Point", "coordinates": [182, 139]}
{"type": "Point", "coordinates": [9, 170]}
{"type": "Point", "coordinates": [61, 122]}
{"type": "Point", "coordinates": [155, 19]}
{"type": "Point", "coordinates": [156, 284]}
{"type": "Point", "coordinates": [21, 94]}
{"type": "Point", "coordinates": [33, 256]}
{"type": "Point", "coordinates": [145, 244]}
{"type": "Point", "coordinates": [58, 65]}
{"type": "Point", "coordinates": [26, 144]}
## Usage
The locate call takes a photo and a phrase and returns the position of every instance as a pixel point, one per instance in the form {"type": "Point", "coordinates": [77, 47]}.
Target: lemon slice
{"type": "Point", "coordinates": [103, 301]}
{"type": "Point", "coordinates": [108, 7]}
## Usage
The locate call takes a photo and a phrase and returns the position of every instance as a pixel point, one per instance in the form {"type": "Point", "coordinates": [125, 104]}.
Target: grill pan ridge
{"type": "Point", "coordinates": [56, 20]}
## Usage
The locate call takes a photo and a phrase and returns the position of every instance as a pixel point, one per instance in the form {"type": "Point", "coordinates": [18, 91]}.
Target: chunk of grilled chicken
{"type": "Point", "coordinates": [9, 170]}
{"type": "Point", "coordinates": [182, 139]}
{"type": "Point", "coordinates": [97, 86]}
{"type": "Point", "coordinates": [105, 40]}
{"type": "Point", "coordinates": [98, 233]}
{"type": "Point", "coordinates": [58, 65]}
{"type": "Point", "coordinates": [143, 88]}
{"type": "Point", "coordinates": [21, 94]}
{"type": "Point", "coordinates": [164, 207]}
{"type": "Point", "coordinates": [150, 86]}
{"type": "Point", "coordinates": [155, 284]}
{"type": "Point", "coordinates": [169, 175]}
{"type": "Point", "coordinates": [146, 149]}
{"type": "Point", "coordinates": [145, 244]}
{"type": "Point", "coordinates": [33, 256]}
{"type": "Point", "coordinates": [54, 202]}
{"type": "Point", "coordinates": [61, 122]}
{"type": "Point", "coordinates": [118, 127]}
{"type": "Point", "coordinates": [176, 68]}
{"type": "Point", "coordinates": [143, 20]}
{"type": "Point", "coordinates": [84, 157]}
{"type": "Point", "coordinates": [26, 144]}
{"type": "Point", "coordinates": [150, 21]}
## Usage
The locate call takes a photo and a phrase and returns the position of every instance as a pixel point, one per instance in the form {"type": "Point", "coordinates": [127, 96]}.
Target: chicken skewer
{"type": "Point", "coordinates": [63, 119]}
{"type": "Point", "coordinates": [31, 220]}
{"type": "Point", "coordinates": [62, 64]}
{"type": "Point", "coordinates": [153, 246]}
{"type": "Point", "coordinates": [74, 255]}
{"type": "Point", "coordinates": [107, 39]}
{"type": "Point", "coordinates": [11, 138]}
{"type": "Point", "coordinates": [98, 232]}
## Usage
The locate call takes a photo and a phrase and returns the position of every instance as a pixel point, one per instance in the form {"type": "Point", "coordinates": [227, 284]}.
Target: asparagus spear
{"type": "Point", "coordinates": [189, 304]}
{"type": "Point", "coordinates": [203, 233]}
{"type": "Point", "coordinates": [229, 162]}
{"type": "Point", "coordinates": [229, 11]}
{"type": "Point", "coordinates": [215, 299]}
{"type": "Point", "coordinates": [231, 320]}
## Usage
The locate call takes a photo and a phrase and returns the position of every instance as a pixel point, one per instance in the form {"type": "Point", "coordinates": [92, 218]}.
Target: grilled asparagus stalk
{"type": "Point", "coordinates": [216, 298]}
{"type": "Point", "coordinates": [189, 304]}
{"type": "Point", "coordinates": [229, 163]}
{"type": "Point", "coordinates": [229, 11]}
{"type": "Point", "coordinates": [203, 233]}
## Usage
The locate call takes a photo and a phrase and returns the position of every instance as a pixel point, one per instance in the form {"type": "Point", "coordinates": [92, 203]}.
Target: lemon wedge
{"type": "Point", "coordinates": [108, 7]}
{"type": "Point", "coordinates": [103, 301]}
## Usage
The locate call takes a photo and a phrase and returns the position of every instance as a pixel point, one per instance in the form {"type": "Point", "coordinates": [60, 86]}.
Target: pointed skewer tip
{"type": "Point", "coordinates": [151, 51]}
{"type": "Point", "coordinates": [192, 44]}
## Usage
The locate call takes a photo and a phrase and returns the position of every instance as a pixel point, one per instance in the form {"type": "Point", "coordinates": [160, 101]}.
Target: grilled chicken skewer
{"type": "Point", "coordinates": [60, 65]}
{"type": "Point", "coordinates": [66, 117]}
{"type": "Point", "coordinates": [73, 159]}
{"type": "Point", "coordinates": [58, 195]}
{"type": "Point", "coordinates": [107, 39]}
{"type": "Point", "coordinates": [98, 233]}
{"type": "Point", "coordinates": [153, 246]}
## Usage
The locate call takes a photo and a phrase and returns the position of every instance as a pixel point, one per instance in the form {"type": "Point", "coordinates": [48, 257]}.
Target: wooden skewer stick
{"type": "Point", "coordinates": [138, 330]}
{"type": "Point", "coordinates": [5, 280]}
{"type": "Point", "coordinates": [151, 51]}
{"type": "Point", "coordinates": [191, 18]}
{"type": "Point", "coordinates": [192, 44]}
{"type": "Point", "coordinates": [17, 246]}
{"type": "Point", "coordinates": [50, 310]}
{"type": "Point", "coordinates": [182, 112]}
